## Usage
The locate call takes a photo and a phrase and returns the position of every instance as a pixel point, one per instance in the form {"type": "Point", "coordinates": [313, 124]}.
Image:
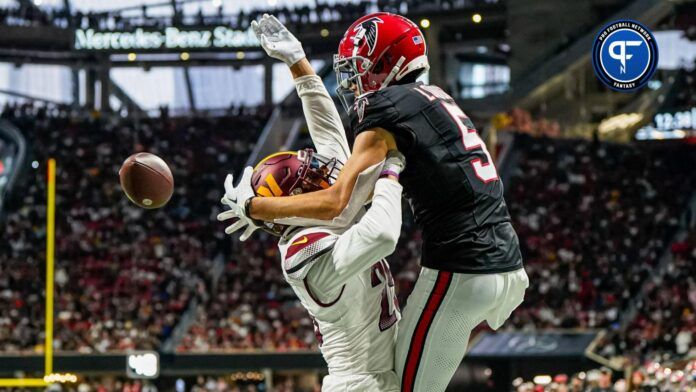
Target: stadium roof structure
{"type": "Point", "coordinates": [102, 39]}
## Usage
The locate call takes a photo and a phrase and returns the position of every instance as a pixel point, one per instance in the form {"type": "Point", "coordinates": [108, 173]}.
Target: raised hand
{"type": "Point", "coordinates": [277, 41]}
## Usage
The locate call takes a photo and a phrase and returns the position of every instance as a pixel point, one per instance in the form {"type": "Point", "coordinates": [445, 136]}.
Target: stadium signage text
{"type": "Point", "coordinates": [171, 38]}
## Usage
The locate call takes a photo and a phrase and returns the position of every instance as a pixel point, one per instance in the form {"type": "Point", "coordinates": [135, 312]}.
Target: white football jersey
{"type": "Point", "coordinates": [339, 275]}
{"type": "Point", "coordinates": [355, 323]}
{"type": "Point", "coordinates": [342, 279]}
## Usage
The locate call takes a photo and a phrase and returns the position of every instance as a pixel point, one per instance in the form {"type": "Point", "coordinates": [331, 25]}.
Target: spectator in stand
{"type": "Point", "coordinates": [593, 220]}
{"type": "Point", "coordinates": [123, 275]}
{"type": "Point", "coordinates": [665, 325]}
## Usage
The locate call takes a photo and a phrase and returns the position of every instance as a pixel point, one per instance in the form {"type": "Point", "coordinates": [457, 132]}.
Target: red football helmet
{"type": "Point", "coordinates": [377, 49]}
{"type": "Point", "coordinates": [290, 173]}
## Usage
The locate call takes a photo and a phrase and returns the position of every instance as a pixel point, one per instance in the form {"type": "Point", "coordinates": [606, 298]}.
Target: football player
{"type": "Point", "coordinates": [471, 263]}
{"type": "Point", "coordinates": [339, 274]}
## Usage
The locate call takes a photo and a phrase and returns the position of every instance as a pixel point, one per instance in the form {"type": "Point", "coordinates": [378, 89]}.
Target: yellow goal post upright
{"type": "Point", "coordinates": [50, 254]}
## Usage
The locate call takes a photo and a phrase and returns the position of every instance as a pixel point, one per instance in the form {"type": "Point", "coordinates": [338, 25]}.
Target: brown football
{"type": "Point", "coordinates": [146, 180]}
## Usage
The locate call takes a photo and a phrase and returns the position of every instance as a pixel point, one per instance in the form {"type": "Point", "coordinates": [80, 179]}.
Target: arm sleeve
{"type": "Point", "coordinates": [368, 241]}
{"type": "Point", "coordinates": [323, 120]}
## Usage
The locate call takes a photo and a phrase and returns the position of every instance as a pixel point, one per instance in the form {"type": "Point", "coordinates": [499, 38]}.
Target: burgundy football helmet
{"type": "Point", "coordinates": [290, 173]}
{"type": "Point", "coordinates": [377, 49]}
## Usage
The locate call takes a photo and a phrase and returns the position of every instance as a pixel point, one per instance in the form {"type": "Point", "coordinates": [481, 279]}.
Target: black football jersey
{"type": "Point", "coordinates": [450, 180]}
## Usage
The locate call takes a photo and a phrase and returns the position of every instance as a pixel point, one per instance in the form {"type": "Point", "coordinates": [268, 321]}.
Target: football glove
{"type": "Point", "coordinates": [277, 41]}
{"type": "Point", "coordinates": [236, 198]}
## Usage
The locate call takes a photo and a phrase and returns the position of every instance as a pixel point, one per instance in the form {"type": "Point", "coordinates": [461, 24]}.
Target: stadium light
{"type": "Point", "coordinates": [184, 56]}
{"type": "Point", "coordinates": [217, 3]}
{"type": "Point", "coordinates": [425, 23]}
{"type": "Point", "coordinates": [477, 18]}
{"type": "Point", "coordinates": [132, 56]}
{"type": "Point", "coordinates": [324, 33]}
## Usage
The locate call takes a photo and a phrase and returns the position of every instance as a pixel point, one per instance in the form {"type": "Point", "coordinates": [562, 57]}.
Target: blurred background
{"type": "Point", "coordinates": [601, 188]}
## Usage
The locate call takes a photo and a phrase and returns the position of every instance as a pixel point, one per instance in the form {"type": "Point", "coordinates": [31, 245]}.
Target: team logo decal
{"type": "Point", "coordinates": [359, 107]}
{"type": "Point", "coordinates": [624, 55]}
{"type": "Point", "coordinates": [272, 190]}
{"type": "Point", "coordinates": [368, 31]}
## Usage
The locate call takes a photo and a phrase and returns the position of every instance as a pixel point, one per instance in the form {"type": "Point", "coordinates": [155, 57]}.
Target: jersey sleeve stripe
{"type": "Point", "coordinates": [303, 242]}
{"type": "Point", "coordinates": [308, 260]}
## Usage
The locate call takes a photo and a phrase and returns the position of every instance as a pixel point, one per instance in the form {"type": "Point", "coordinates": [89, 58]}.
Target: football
{"type": "Point", "coordinates": [147, 180]}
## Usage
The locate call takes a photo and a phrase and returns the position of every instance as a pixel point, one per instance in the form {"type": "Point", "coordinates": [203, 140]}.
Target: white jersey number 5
{"type": "Point", "coordinates": [484, 171]}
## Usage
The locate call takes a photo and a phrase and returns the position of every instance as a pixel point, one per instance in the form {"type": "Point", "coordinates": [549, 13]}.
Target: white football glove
{"type": "Point", "coordinates": [235, 198]}
{"type": "Point", "coordinates": [277, 41]}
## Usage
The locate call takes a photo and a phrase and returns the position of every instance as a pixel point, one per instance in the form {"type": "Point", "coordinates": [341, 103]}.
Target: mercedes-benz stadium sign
{"type": "Point", "coordinates": [170, 38]}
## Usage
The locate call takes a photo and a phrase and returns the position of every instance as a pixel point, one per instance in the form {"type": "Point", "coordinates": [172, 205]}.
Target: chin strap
{"type": "Point", "coordinates": [393, 72]}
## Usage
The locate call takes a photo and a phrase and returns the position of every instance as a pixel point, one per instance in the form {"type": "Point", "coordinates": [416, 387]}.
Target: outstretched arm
{"type": "Point", "coordinates": [369, 149]}
{"type": "Point", "coordinates": [325, 126]}
{"type": "Point", "coordinates": [333, 206]}
{"type": "Point", "coordinates": [323, 120]}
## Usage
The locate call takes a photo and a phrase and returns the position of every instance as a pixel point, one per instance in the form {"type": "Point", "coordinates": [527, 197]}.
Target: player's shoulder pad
{"type": "Point", "coordinates": [303, 249]}
{"type": "Point", "coordinates": [381, 108]}
{"type": "Point", "coordinates": [367, 105]}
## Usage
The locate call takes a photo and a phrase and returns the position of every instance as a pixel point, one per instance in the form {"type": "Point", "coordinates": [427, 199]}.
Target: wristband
{"type": "Point", "coordinates": [247, 208]}
{"type": "Point", "coordinates": [387, 173]}
{"type": "Point", "coordinates": [247, 212]}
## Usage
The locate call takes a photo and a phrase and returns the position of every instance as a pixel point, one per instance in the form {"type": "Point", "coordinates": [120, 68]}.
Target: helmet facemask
{"type": "Point", "coordinates": [348, 75]}
{"type": "Point", "coordinates": [349, 79]}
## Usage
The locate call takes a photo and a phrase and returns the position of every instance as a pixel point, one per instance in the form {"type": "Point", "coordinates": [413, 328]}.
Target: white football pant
{"type": "Point", "coordinates": [441, 313]}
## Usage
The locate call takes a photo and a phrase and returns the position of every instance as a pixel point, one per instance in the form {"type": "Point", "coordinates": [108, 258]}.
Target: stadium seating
{"type": "Point", "coordinates": [593, 219]}
{"type": "Point", "coordinates": [251, 307]}
{"type": "Point", "coordinates": [123, 275]}
{"type": "Point", "coordinates": [586, 273]}
{"type": "Point", "coordinates": [665, 325]}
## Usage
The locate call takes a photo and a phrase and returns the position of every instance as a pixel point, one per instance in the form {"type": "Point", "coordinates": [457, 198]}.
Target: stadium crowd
{"type": "Point", "coordinates": [123, 275]}
{"type": "Point", "coordinates": [664, 328]}
{"type": "Point", "coordinates": [590, 234]}
{"type": "Point", "coordinates": [653, 377]}
{"type": "Point", "coordinates": [250, 306]}
{"type": "Point", "coordinates": [593, 219]}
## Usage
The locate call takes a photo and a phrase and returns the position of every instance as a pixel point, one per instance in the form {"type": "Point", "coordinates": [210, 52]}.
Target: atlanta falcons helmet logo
{"type": "Point", "coordinates": [367, 30]}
